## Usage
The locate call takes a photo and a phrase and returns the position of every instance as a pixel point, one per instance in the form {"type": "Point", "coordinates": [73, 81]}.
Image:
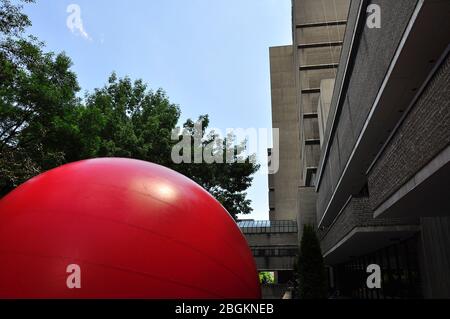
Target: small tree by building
{"type": "Point", "coordinates": [266, 278]}
{"type": "Point", "coordinates": [312, 282]}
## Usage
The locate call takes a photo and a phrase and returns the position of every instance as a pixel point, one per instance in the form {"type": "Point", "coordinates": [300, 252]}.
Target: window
{"type": "Point", "coordinates": [266, 226]}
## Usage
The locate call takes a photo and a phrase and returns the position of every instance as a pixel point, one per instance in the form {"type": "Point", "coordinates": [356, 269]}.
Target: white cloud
{"type": "Point", "coordinates": [74, 21]}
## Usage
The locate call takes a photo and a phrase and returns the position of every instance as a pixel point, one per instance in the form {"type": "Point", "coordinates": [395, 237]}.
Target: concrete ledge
{"type": "Point", "coordinates": [321, 24]}
{"type": "Point", "coordinates": [319, 66]}
{"type": "Point", "coordinates": [320, 44]}
{"type": "Point", "coordinates": [431, 184]}
{"type": "Point", "coordinates": [362, 240]}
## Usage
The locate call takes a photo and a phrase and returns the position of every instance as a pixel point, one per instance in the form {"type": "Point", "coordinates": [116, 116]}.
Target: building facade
{"type": "Point", "coordinates": [301, 74]}
{"type": "Point", "coordinates": [383, 177]}
{"type": "Point", "coordinates": [283, 200]}
{"type": "Point", "coordinates": [274, 247]}
{"type": "Point", "coordinates": [372, 83]}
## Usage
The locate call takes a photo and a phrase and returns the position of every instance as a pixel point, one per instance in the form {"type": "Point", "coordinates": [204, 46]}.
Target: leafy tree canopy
{"type": "Point", "coordinates": [266, 278]}
{"type": "Point", "coordinates": [43, 124]}
{"type": "Point", "coordinates": [12, 20]}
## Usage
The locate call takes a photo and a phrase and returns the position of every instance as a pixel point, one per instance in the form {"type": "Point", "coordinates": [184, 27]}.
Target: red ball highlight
{"type": "Point", "coordinates": [120, 228]}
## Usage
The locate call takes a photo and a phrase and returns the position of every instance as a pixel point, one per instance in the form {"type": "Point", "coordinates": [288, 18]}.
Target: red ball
{"type": "Point", "coordinates": [120, 228]}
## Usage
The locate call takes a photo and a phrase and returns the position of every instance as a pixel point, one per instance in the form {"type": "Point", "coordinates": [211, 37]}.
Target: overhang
{"type": "Point", "coordinates": [426, 194]}
{"type": "Point", "coordinates": [364, 240]}
{"type": "Point", "coordinates": [421, 46]}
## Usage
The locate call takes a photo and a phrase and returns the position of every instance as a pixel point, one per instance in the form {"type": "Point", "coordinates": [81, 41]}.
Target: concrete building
{"type": "Point", "coordinates": [372, 110]}
{"type": "Point", "coordinates": [274, 246]}
{"type": "Point", "coordinates": [302, 79]}
{"type": "Point", "coordinates": [384, 177]}
{"type": "Point", "coordinates": [283, 200]}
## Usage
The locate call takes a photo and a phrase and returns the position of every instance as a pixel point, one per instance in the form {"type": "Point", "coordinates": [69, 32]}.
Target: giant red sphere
{"type": "Point", "coordinates": [120, 228]}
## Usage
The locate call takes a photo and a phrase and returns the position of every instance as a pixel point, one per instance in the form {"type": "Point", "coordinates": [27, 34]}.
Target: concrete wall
{"type": "Point", "coordinates": [273, 242]}
{"type": "Point", "coordinates": [323, 107]}
{"type": "Point", "coordinates": [275, 263]}
{"type": "Point", "coordinates": [311, 11]}
{"type": "Point", "coordinates": [309, 56]}
{"type": "Point", "coordinates": [283, 197]}
{"type": "Point", "coordinates": [321, 34]}
{"type": "Point", "coordinates": [375, 50]}
{"type": "Point", "coordinates": [424, 133]}
{"type": "Point", "coordinates": [317, 55]}
{"type": "Point", "coordinates": [318, 49]}
{"type": "Point", "coordinates": [356, 214]}
{"type": "Point", "coordinates": [271, 239]}
{"type": "Point", "coordinates": [296, 74]}
{"type": "Point", "coordinates": [307, 205]}
{"type": "Point", "coordinates": [415, 132]}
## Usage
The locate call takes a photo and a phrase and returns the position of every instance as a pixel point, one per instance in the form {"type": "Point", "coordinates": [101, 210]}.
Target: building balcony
{"type": "Point", "coordinates": [355, 232]}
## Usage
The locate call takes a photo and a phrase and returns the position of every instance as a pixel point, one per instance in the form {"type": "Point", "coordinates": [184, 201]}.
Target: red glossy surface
{"type": "Point", "coordinates": [136, 229]}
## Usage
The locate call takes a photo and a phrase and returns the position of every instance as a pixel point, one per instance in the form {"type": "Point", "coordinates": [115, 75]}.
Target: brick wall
{"type": "Point", "coordinates": [368, 67]}
{"type": "Point", "coordinates": [424, 133]}
{"type": "Point", "coordinates": [356, 214]}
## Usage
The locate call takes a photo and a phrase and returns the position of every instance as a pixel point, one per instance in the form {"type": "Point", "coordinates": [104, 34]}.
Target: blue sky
{"type": "Point", "coordinates": [210, 56]}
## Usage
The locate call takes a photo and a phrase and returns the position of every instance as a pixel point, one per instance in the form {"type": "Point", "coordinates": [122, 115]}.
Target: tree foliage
{"type": "Point", "coordinates": [266, 278]}
{"type": "Point", "coordinates": [225, 179]}
{"type": "Point", "coordinates": [43, 124]}
{"type": "Point", "coordinates": [125, 119]}
{"type": "Point", "coordinates": [37, 95]}
{"type": "Point", "coordinates": [12, 21]}
{"type": "Point", "coordinates": [312, 282]}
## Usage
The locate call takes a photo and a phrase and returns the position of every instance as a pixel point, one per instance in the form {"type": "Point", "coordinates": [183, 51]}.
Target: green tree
{"type": "Point", "coordinates": [43, 124]}
{"type": "Point", "coordinates": [12, 21]}
{"type": "Point", "coordinates": [37, 96]}
{"type": "Point", "coordinates": [125, 119]}
{"type": "Point", "coordinates": [226, 179]}
{"type": "Point", "coordinates": [312, 282]}
{"type": "Point", "coordinates": [266, 278]}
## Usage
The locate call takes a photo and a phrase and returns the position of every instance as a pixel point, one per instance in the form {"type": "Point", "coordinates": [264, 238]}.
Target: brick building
{"type": "Point", "coordinates": [372, 167]}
